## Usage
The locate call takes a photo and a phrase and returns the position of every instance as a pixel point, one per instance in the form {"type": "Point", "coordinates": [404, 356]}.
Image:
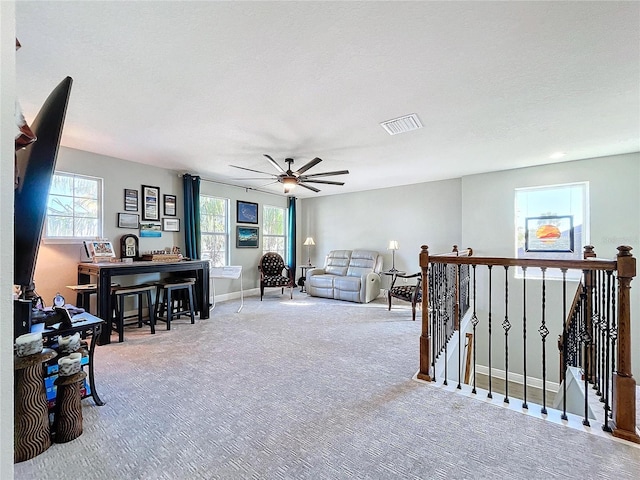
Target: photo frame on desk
{"type": "Point", "coordinates": [99, 249]}
{"type": "Point", "coordinates": [150, 203]}
{"type": "Point", "coordinates": [246, 212]}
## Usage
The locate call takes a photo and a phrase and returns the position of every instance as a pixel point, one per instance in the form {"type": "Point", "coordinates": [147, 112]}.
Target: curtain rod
{"type": "Point", "coordinates": [180, 175]}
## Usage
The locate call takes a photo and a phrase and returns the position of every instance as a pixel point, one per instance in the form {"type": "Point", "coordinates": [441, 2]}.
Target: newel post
{"type": "Point", "coordinates": [425, 336]}
{"type": "Point", "coordinates": [623, 407]}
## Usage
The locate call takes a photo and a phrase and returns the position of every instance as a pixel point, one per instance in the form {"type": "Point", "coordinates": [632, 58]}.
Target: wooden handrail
{"type": "Point", "coordinates": [590, 264]}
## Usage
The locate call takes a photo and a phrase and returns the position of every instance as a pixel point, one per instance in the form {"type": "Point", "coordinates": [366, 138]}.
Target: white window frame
{"type": "Point", "coordinates": [100, 211]}
{"type": "Point", "coordinates": [266, 235]}
{"type": "Point", "coordinates": [225, 233]}
{"type": "Point", "coordinates": [581, 218]}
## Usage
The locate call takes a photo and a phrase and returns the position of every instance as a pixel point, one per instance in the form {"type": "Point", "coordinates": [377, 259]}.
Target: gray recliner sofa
{"type": "Point", "coordinates": [351, 275]}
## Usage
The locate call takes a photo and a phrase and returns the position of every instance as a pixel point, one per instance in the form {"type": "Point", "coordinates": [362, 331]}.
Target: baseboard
{"type": "Point", "coordinates": [518, 378]}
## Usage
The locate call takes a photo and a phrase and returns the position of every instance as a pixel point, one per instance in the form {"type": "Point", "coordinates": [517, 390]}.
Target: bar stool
{"type": "Point", "coordinates": [176, 298]}
{"type": "Point", "coordinates": [140, 291]}
{"type": "Point", "coordinates": [84, 292]}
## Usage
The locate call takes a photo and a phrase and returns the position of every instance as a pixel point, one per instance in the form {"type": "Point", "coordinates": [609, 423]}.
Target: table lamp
{"type": "Point", "coordinates": [309, 242]}
{"type": "Point", "coordinates": [393, 246]}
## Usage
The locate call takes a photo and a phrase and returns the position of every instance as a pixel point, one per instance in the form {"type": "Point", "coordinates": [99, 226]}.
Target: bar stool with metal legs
{"type": "Point", "coordinates": [175, 297]}
{"type": "Point", "coordinates": [140, 291]}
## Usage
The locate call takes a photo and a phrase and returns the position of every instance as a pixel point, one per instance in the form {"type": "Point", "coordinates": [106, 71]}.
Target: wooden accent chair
{"type": "Point", "coordinates": [407, 292]}
{"type": "Point", "coordinates": [274, 273]}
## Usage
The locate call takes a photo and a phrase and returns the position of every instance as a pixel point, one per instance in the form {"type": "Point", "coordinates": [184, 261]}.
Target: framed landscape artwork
{"type": "Point", "coordinates": [247, 237]}
{"type": "Point", "coordinates": [128, 220]}
{"type": "Point", "coordinates": [171, 224]}
{"type": "Point", "coordinates": [130, 200]}
{"type": "Point", "coordinates": [169, 205]}
{"type": "Point", "coordinates": [150, 203]}
{"type": "Point", "coordinates": [246, 212]}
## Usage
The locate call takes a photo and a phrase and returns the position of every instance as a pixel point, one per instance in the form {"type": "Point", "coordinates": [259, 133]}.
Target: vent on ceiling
{"type": "Point", "coordinates": [402, 124]}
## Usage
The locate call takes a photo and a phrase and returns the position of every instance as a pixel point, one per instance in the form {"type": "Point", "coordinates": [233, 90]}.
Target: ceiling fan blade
{"type": "Point", "coordinates": [274, 163]}
{"type": "Point", "coordinates": [251, 170]}
{"type": "Point", "coordinates": [308, 165]}
{"type": "Point", "coordinates": [337, 172]}
{"type": "Point", "coordinates": [314, 189]}
{"type": "Point", "coordinates": [327, 182]}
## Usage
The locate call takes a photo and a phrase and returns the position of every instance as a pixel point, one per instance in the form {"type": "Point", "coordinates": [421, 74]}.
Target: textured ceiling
{"type": "Point", "coordinates": [197, 86]}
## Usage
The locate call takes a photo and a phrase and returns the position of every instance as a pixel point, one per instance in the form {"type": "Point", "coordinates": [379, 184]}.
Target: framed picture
{"type": "Point", "coordinates": [99, 249]}
{"type": "Point", "coordinates": [150, 229]}
{"type": "Point", "coordinates": [128, 220]}
{"type": "Point", "coordinates": [130, 200]}
{"type": "Point", "coordinates": [549, 234]}
{"type": "Point", "coordinates": [150, 203]}
{"type": "Point", "coordinates": [247, 237]}
{"type": "Point", "coordinates": [169, 205]}
{"type": "Point", "coordinates": [171, 224]}
{"type": "Point", "coordinates": [246, 212]}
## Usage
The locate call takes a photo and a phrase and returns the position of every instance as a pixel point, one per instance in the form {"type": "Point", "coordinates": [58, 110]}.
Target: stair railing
{"type": "Point", "coordinates": [601, 338]}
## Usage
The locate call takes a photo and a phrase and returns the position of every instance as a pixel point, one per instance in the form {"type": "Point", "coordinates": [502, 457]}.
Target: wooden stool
{"type": "Point", "coordinates": [140, 291]}
{"type": "Point", "coordinates": [31, 429]}
{"type": "Point", "coordinates": [167, 299]}
{"type": "Point", "coordinates": [67, 418]}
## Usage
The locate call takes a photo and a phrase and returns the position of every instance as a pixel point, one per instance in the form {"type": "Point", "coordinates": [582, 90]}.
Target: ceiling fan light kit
{"type": "Point", "coordinates": [291, 179]}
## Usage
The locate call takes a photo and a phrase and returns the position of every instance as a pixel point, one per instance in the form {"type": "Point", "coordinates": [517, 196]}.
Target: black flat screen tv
{"type": "Point", "coordinates": [35, 166]}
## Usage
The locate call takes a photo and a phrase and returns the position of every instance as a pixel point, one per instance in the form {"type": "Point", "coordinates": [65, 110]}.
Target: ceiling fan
{"type": "Point", "coordinates": [291, 179]}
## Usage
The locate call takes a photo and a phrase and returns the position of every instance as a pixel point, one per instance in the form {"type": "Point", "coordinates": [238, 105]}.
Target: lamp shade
{"type": "Point", "coordinates": [309, 241]}
{"type": "Point", "coordinates": [393, 245]}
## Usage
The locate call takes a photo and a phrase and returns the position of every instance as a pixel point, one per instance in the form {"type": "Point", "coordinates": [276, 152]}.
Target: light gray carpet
{"type": "Point", "coordinates": [303, 389]}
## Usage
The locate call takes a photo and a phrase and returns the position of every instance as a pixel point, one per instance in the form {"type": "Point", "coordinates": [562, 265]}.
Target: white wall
{"type": "Point", "coordinates": [488, 227]}
{"type": "Point", "coordinates": [414, 215]}
{"type": "Point", "coordinates": [7, 135]}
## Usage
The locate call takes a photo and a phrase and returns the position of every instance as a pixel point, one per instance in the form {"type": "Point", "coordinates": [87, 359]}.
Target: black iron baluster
{"type": "Point", "coordinates": [433, 305]}
{"type": "Point", "coordinates": [586, 339]}
{"type": "Point", "coordinates": [544, 331]}
{"type": "Point", "coordinates": [474, 322]}
{"type": "Point", "coordinates": [524, 333]}
{"type": "Point", "coordinates": [565, 345]}
{"type": "Point", "coordinates": [446, 320]}
{"type": "Point", "coordinates": [611, 334]}
{"type": "Point", "coordinates": [506, 326]}
{"type": "Point", "coordinates": [490, 395]}
{"type": "Point", "coordinates": [604, 338]}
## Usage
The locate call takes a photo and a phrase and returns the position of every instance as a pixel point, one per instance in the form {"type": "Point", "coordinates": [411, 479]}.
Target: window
{"type": "Point", "coordinates": [551, 222]}
{"type": "Point", "coordinates": [214, 230]}
{"type": "Point", "coordinates": [274, 230]}
{"type": "Point", "coordinates": [74, 207]}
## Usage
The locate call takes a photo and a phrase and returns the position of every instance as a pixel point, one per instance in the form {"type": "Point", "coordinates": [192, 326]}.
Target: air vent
{"type": "Point", "coordinates": [402, 124]}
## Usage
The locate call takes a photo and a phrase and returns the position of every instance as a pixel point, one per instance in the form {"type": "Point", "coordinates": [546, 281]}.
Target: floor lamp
{"type": "Point", "coordinates": [309, 242]}
{"type": "Point", "coordinates": [393, 246]}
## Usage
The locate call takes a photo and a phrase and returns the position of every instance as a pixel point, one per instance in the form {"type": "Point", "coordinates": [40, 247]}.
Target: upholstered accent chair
{"type": "Point", "coordinates": [408, 292]}
{"type": "Point", "coordinates": [274, 273]}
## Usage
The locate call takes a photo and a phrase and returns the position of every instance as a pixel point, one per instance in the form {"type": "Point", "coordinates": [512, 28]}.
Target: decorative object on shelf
{"type": "Point", "coordinates": [129, 247]}
{"type": "Point", "coordinates": [130, 200]}
{"type": "Point", "coordinates": [29, 344]}
{"type": "Point", "coordinates": [69, 343]}
{"type": "Point", "coordinates": [150, 202]}
{"type": "Point", "coordinates": [161, 257]}
{"type": "Point", "coordinates": [58, 300]}
{"type": "Point", "coordinates": [393, 246]}
{"type": "Point", "coordinates": [169, 205]}
{"type": "Point", "coordinates": [171, 224]}
{"type": "Point", "coordinates": [309, 243]}
{"type": "Point", "coordinates": [128, 220]}
{"type": "Point", "coordinates": [247, 237]}
{"type": "Point", "coordinates": [69, 365]}
{"type": "Point", "coordinates": [246, 212]}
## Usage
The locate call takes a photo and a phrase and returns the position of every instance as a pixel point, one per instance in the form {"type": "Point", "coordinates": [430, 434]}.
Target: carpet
{"type": "Point", "coordinates": [306, 388]}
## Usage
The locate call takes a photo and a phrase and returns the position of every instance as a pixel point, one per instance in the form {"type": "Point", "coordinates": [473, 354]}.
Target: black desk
{"type": "Point", "coordinates": [87, 325]}
{"type": "Point", "coordinates": [104, 273]}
